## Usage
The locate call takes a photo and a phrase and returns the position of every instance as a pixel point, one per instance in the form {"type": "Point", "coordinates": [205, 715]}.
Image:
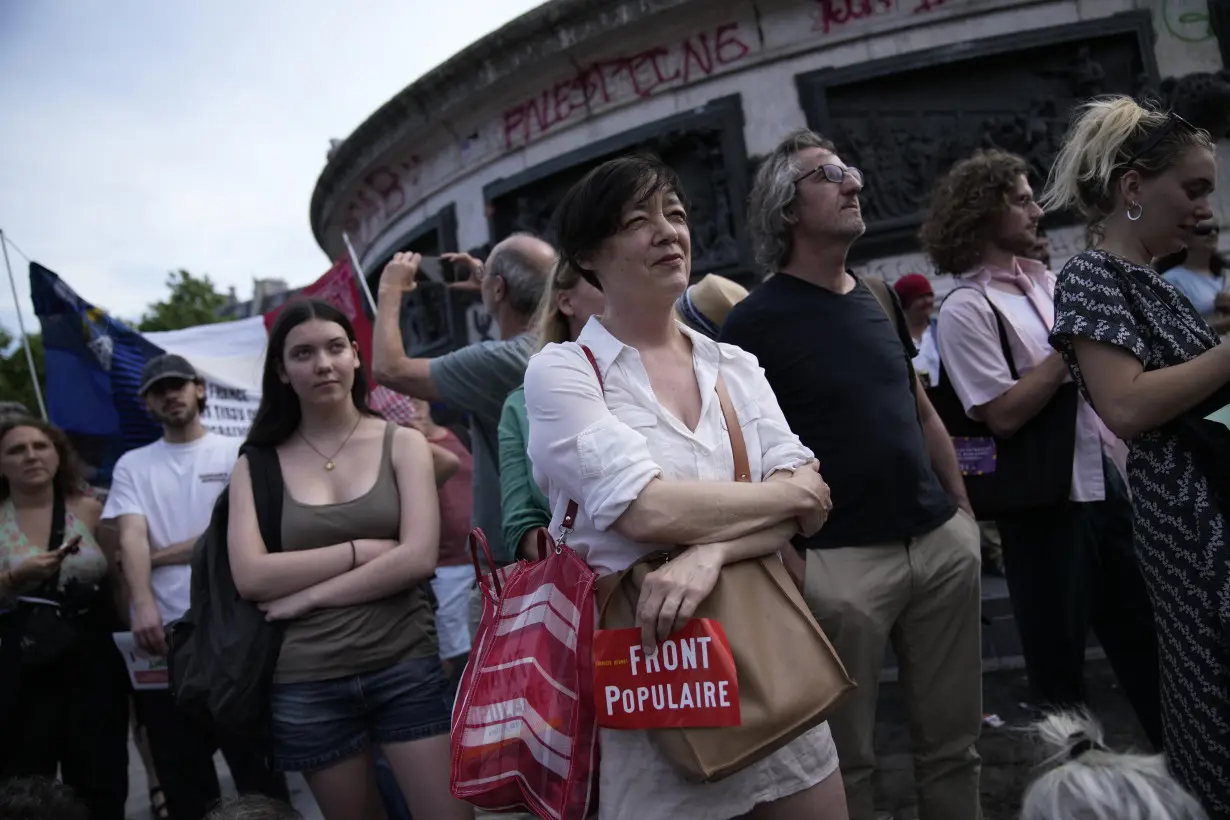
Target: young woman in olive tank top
{"type": "Point", "coordinates": [359, 664]}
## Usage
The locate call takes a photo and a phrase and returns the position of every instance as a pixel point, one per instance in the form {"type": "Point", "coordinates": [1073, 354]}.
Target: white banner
{"type": "Point", "coordinates": [228, 410]}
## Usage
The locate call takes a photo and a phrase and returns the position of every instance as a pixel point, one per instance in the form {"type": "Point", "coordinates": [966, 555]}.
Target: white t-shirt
{"type": "Point", "coordinates": [927, 362]}
{"type": "Point", "coordinates": [174, 486]}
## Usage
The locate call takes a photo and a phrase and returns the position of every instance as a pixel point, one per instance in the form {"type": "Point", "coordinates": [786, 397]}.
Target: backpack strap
{"type": "Point", "coordinates": [267, 493]}
{"type": "Point", "coordinates": [892, 308]}
{"type": "Point", "coordinates": [879, 289]}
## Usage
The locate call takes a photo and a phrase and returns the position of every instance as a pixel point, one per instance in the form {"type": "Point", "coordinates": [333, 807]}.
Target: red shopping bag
{"type": "Point", "coordinates": [524, 735]}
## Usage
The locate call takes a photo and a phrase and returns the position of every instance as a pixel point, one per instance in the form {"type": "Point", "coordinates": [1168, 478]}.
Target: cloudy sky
{"type": "Point", "coordinates": [142, 136]}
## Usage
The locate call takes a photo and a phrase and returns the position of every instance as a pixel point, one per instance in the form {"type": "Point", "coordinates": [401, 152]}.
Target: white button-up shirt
{"type": "Point", "coordinates": [601, 450]}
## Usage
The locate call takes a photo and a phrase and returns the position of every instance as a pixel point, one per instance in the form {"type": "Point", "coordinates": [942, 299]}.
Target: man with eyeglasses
{"type": "Point", "coordinates": [896, 563]}
{"type": "Point", "coordinates": [477, 378]}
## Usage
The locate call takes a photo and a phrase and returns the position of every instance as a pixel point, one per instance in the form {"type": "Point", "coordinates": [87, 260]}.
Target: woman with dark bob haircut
{"type": "Point", "coordinates": [359, 662]}
{"type": "Point", "coordinates": [649, 461]}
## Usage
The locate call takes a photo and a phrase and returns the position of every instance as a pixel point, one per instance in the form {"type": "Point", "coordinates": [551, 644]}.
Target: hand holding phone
{"type": "Point", "coordinates": [70, 547]}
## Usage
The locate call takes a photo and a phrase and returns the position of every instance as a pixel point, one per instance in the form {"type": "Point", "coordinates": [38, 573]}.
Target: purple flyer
{"type": "Point", "coordinates": [975, 454]}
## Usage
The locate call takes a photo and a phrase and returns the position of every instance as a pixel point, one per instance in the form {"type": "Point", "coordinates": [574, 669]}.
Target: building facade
{"type": "Point", "coordinates": [485, 144]}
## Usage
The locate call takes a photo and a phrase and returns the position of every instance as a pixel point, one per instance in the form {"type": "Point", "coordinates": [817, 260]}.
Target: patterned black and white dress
{"type": "Point", "coordinates": [1180, 534]}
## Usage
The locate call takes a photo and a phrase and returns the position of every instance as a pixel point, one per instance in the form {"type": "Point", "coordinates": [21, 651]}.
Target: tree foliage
{"type": "Point", "coordinates": [193, 301]}
{"type": "Point", "coordinates": [15, 383]}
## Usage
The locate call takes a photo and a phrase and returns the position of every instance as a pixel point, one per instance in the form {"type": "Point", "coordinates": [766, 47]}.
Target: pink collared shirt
{"type": "Point", "coordinates": [970, 352]}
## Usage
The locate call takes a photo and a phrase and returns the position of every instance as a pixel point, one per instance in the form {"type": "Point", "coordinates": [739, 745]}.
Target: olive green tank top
{"type": "Point", "coordinates": [336, 643]}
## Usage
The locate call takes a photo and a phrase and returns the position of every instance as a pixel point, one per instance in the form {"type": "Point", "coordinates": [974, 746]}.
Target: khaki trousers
{"type": "Point", "coordinates": [923, 595]}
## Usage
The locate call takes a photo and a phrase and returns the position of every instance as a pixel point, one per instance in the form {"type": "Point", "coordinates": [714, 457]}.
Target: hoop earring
{"type": "Point", "coordinates": [1140, 211]}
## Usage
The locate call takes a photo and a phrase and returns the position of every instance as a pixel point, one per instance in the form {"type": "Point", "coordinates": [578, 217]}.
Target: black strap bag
{"type": "Point", "coordinates": [46, 624]}
{"type": "Point", "coordinates": [223, 653]}
{"type": "Point", "coordinates": [1030, 469]}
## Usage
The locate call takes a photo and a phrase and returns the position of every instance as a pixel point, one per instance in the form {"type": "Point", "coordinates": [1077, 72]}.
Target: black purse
{"type": "Point", "coordinates": [1031, 469]}
{"type": "Point", "coordinates": [46, 624]}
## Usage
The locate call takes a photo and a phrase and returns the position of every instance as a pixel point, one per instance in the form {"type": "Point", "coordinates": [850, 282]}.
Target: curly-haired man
{"type": "Point", "coordinates": [1069, 565]}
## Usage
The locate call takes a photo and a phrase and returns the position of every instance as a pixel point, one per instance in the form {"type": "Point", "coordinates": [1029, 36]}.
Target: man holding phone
{"type": "Point", "coordinates": [163, 495]}
{"type": "Point", "coordinates": [477, 378]}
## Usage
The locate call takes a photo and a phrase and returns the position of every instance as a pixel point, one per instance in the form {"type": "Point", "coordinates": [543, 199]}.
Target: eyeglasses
{"type": "Point", "coordinates": [834, 173]}
{"type": "Point", "coordinates": [1173, 121]}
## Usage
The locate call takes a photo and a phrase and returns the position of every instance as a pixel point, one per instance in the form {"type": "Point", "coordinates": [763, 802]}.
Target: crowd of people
{"type": "Point", "coordinates": [606, 388]}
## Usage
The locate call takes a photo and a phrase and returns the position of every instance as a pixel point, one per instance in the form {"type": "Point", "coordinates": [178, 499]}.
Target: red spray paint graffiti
{"type": "Point", "coordinates": [834, 14]}
{"type": "Point", "coordinates": [381, 197]}
{"type": "Point", "coordinates": [640, 74]}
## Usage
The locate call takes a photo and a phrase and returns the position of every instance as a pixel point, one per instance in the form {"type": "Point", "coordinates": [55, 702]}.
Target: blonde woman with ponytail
{"type": "Point", "coordinates": [1152, 367]}
{"type": "Point", "coordinates": [566, 306]}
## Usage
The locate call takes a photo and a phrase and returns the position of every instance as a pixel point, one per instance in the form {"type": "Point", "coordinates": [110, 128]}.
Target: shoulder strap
{"type": "Point", "coordinates": [738, 447]}
{"type": "Point", "coordinates": [879, 289]}
{"type": "Point", "coordinates": [267, 489]}
{"type": "Point", "coordinates": [1004, 345]}
{"type": "Point", "coordinates": [570, 512]}
{"type": "Point", "coordinates": [59, 512]}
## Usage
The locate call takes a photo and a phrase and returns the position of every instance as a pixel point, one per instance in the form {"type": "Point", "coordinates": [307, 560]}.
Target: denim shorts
{"type": "Point", "coordinates": [319, 723]}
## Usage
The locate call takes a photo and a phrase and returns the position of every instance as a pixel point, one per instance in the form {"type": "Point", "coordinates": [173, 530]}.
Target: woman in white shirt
{"type": "Point", "coordinates": [650, 464]}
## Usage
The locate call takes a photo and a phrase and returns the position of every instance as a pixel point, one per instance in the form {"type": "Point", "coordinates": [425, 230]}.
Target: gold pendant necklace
{"type": "Point", "coordinates": [329, 465]}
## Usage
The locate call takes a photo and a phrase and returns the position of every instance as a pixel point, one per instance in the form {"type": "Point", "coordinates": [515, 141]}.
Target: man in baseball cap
{"type": "Point", "coordinates": [164, 367]}
{"type": "Point", "coordinates": [161, 499]}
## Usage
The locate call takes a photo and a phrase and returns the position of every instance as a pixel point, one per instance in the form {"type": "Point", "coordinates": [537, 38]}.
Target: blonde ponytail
{"type": "Point", "coordinates": [1105, 135]}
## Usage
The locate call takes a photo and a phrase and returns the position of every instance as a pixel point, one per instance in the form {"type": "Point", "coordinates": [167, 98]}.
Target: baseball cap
{"type": "Point", "coordinates": [166, 366]}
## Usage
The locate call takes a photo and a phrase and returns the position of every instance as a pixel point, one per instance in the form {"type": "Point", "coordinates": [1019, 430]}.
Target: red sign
{"type": "Point", "coordinates": [339, 288]}
{"type": "Point", "coordinates": [689, 680]}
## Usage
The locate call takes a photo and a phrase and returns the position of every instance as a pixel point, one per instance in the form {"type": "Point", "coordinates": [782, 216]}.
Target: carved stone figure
{"type": "Point", "coordinates": [1201, 98]}
{"type": "Point", "coordinates": [907, 128]}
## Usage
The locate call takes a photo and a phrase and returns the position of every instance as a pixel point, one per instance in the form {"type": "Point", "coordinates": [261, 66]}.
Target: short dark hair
{"type": "Point", "coordinates": [39, 798]}
{"type": "Point", "coordinates": [69, 478]}
{"type": "Point", "coordinates": [252, 807]}
{"type": "Point", "coordinates": [964, 205]}
{"type": "Point", "coordinates": [592, 209]}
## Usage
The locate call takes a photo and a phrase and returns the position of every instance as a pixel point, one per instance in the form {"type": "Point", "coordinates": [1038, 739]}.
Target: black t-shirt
{"type": "Point", "coordinates": [842, 375]}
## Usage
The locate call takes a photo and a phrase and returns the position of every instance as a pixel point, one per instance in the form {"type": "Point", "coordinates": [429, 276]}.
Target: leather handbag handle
{"type": "Point", "coordinates": [738, 447]}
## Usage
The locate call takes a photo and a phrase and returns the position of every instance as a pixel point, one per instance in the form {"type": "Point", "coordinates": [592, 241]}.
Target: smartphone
{"type": "Point", "coordinates": [71, 547]}
{"type": "Point", "coordinates": [433, 268]}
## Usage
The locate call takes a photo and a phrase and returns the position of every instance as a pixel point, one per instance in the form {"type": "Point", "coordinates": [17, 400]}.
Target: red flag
{"type": "Point", "coordinates": [339, 288]}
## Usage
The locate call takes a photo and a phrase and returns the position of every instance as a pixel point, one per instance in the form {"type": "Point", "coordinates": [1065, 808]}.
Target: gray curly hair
{"type": "Point", "coordinates": [769, 215]}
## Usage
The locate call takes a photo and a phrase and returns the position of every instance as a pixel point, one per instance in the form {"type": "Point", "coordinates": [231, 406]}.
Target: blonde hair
{"type": "Point", "coordinates": [552, 324]}
{"type": "Point", "coordinates": [1108, 137]}
{"type": "Point", "coordinates": [1087, 781]}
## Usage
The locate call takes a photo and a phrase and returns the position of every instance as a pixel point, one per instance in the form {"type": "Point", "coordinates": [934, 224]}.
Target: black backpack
{"type": "Point", "coordinates": [222, 653]}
